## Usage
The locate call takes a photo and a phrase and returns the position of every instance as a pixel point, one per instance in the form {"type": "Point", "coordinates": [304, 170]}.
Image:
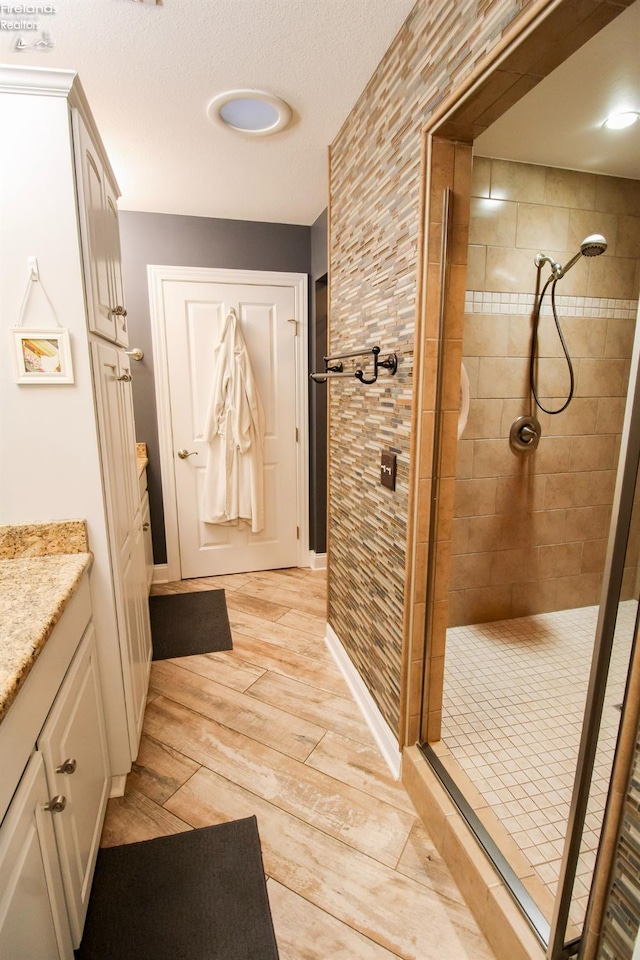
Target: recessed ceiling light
{"type": "Point", "coordinates": [618, 121]}
{"type": "Point", "coordinates": [252, 112]}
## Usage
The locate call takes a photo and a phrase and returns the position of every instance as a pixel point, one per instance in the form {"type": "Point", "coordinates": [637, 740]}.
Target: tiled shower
{"type": "Point", "coordinates": [530, 530]}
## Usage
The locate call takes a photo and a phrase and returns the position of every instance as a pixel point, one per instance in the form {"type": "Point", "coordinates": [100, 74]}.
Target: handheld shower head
{"type": "Point", "coordinates": [591, 246]}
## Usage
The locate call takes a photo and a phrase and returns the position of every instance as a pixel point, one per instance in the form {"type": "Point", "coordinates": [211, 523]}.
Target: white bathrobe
{"type": "Point", "coordinates": [234, 430]}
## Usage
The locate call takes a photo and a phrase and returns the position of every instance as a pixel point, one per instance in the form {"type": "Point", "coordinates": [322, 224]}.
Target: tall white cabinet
{"type": "Point", "coordinates": [68, 450]}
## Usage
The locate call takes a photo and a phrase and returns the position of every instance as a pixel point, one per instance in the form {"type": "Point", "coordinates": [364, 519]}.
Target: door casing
{"type": "Point", "coordinates": [157, 275]}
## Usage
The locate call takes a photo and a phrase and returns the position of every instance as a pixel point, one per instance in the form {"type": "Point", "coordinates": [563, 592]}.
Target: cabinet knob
{"type": "Point", "coordinates": [56, 804]}
{"type": "Point", "coordinates": [68, 766]}
{"type": "Point", "coordinates": [125, 378]}
{"type": "Point", "coordinates": [146, 525]}
{"type": "Point", "coordinates": [119, 311]}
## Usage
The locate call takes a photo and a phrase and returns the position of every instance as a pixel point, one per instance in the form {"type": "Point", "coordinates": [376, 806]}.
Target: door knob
{"type": "Point", "coordinates": [68, 766]}
{"type": "Point", "coordinates": [135, 354]}
{"type": "Point", "coordinates": [183, 454]}
{"type": "Point", "coordinates": [125, 378]}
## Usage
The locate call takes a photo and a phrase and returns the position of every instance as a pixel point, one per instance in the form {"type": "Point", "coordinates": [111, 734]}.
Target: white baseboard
{"type": "Point", "coordinates": [385, 739]}
{"type": "Point", "coordinates": [317, 561]}
{"type": "Point", "coordinates": [160, 573]}
{"type": "Point", "coordinates": [118, 783]}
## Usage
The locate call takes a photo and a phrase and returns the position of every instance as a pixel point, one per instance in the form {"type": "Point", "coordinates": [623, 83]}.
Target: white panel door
{"type": "Point", "coordinates": [195, 312]}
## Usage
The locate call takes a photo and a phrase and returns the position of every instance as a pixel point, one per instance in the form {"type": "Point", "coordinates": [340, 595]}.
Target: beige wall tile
{"type": "Point", "coordinates": [547, 526]}
{"type": "Point", "coordinates": [496, 533]}
{"type": "Point", "coordinates": [570, 188]}
{"type": "Point", "coordinates": [582, 223]}
{"type": "Point", "coordinates": [601, 487]}
{"type": "Point", "coordinates": [540, 225]}
{"type": "Point", "coordinates": [487, 603]}
{"type": "Point", "coordinates": [568, 490]}
{"type": "Point", "coordinates": [481, 177]}
{"type": "Point", "coordinates": [602, 378]}
{"type": "Point", "coordinates": [484, 421]}
{"type": "Point", "coordinates": [593, 453]}
{"type": "Point", "coordinates": [493, 458]}
{"type": "Point", "coordinates": [517, 181]}
{"type": "Point", "coordinates": [618, 195]}
{"type": "Point", "coordinates": [585, 336]}
{"type": "Point", "coordinates": [511, 566]}
{"type": "Point", "coordinates": [561, 559]}
{"type": "Point", "coordinates": [493, 222]}
{"type": "Point", "coordinates": [620, 335]}
{"type": "Point", "coordinates": [537, 596]}
{"type": "Point", "coordinates": [552, 381]}
{"type": "Point", "coordinates": [553, 455]}
{"type": "Point", "coordinates": [612, 277]}
{"type": "Point", "coordinates": [522, 494]}
{"type": "Point", "coordinates": [510, 270]}
{"type": "Point", "coordinates": [472, 570]}
{"type": "Point", "coordinates": [486, 335]}
{"type": "Point", "coordinates": [464, 459]}
{"type": "Point", "coordinates": [593, 554]}
{"type": "Point", "coordinates": [519, 336]}
{"type": "Point", "coordinates": [580, 591]}
{"type": "Point", "coordinates": [476, 261]}
{"type": "Point", "coordinates": [610, 415]}
{"type": "Point", "coordinates": [586, 521]}
{"type": "Point", "coordinates": [474, 498]}
{"type": "Point", "coordinates": [500, 377]}
{"type": "Point", "coordinates": [579, 418]}
{"type": "Point", "coordinates": [459, 536]}
{"type": "Point", "coordinates": [628, 238]}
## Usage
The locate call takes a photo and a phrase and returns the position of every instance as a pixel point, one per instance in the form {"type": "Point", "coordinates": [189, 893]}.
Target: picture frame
{"type": "Point", "coordinates": [41, 355]}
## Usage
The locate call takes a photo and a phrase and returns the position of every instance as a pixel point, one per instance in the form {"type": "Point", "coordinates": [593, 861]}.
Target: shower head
{"type": "Point", "coordinates": [591, 246]}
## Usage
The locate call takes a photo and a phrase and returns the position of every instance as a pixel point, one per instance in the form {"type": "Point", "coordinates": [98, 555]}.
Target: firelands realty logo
{"type": "Point", "coordinates": [21, 18]}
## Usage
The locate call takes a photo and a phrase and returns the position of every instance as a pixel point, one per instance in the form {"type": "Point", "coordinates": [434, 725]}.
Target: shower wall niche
{"type": "Point", "coordinates": [529, 532]}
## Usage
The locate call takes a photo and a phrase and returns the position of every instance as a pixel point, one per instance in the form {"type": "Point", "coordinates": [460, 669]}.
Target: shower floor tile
{"type": "Point", "coordinates": [513, 706]}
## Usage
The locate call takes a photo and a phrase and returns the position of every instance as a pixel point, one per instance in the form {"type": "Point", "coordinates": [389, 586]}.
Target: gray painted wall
{"type": "Point", "coordinates": [318, 391]}
{"type": "Point", "coordinates": [167, 239]}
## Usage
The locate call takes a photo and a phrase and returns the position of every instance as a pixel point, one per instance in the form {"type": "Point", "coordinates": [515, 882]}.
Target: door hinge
{"type": "Point", "coordinates": [295, 325]}
{"type": "Point", "coordinates": [297, 533]}
{"type": "Point", "coordinates": [297, 436]}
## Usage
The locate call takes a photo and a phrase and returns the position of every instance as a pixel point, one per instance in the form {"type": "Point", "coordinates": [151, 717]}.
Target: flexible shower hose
{"type": "Point", "coordinates": [534, 348]}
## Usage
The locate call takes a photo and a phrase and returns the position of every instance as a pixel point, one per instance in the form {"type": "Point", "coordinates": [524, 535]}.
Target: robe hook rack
{"type": "Point", "coordinates": [334, 367]}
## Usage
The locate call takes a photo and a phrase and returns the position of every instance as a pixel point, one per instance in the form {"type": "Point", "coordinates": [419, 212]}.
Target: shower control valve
{"type": "Point", "coordinates": [524, 435]}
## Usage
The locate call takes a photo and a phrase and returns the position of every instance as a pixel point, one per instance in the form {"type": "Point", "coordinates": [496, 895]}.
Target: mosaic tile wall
{"type": "Point", "coordinates": [622, 918]}
{"type": "Point", "coordinates": [374, 194]}
{"type": "Point", "coordinates": [530, 530]}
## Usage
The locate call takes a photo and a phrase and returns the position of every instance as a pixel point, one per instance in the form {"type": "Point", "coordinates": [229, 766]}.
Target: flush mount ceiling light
{"type": "Point", "coordinates": [618, 121]}
{"type": "Point", "coordinates": [252, 112]}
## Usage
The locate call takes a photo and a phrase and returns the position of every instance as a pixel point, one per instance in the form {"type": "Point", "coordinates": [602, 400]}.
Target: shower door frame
{"type": "Point", "coordinates": [511, 70]}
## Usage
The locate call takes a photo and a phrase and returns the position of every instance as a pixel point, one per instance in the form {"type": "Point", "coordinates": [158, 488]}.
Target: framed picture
{"type": "Point", "coordinates": [42, 356]}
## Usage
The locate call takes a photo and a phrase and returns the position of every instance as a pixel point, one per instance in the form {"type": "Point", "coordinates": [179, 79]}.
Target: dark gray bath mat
{"type": "Point", "coordinates": [184, 624]}
{"type": "Point", "coordinates": [199, 895]}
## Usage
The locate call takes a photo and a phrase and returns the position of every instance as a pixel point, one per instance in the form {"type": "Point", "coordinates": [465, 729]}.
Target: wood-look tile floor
{"type": "Point", "coordinates": [271, 729]}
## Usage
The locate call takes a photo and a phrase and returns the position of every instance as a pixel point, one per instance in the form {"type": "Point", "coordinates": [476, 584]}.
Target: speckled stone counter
{"type": "Point", "coordinates": [41, 567]}
{"type": "Point", "coordinates": [141, 457]}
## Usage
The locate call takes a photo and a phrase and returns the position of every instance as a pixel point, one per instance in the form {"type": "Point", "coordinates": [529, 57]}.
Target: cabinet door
{"type": "Point", "coordinates": [33, 914]}
{"type": "Point", "coordinates": [94, 230]}
{"type": "Point", "coordinates": [119, 312]}
{"type": "Point", "coordinates": [74, 747]}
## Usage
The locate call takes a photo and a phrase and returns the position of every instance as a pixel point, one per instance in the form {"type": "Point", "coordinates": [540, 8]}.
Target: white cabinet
{"type": "Point", "coordinates": [74, 747]}
{"type": "Point", "coordinates": [50, 833]}
{"type": "Point", "coordinates": [63, 211]}
{"type": "Point", "coordinates": [98, 212]}
{"type": "Point", "coordinates": [33, 915]}
{"type": "Point", "coordinates": [115, 413]}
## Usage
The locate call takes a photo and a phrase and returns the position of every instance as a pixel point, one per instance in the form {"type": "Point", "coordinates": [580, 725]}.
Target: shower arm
{"type": "Point", "coordinates": [557, 269]}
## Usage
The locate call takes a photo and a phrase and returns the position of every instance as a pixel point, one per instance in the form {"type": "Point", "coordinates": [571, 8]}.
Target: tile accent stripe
{"type": "Point", "coordinates": [479, 301]}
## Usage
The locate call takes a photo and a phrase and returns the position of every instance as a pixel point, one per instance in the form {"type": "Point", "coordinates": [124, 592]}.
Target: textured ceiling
{"type": "Point", "coordinates": [150, 71]}
{"type": "Point", "coordinates": [559, 122]}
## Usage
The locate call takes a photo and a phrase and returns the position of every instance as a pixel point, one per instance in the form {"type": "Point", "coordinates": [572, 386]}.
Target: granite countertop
{"type": "Point", "coordinates": [141, 457]}
{"type": "Point", "coordinates": [41, 566]}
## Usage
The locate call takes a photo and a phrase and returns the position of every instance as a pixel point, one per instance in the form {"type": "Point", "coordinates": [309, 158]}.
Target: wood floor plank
{"type": "Point", "coordinates": [261, 721]}
{"type": "Point", "coordinates": [397, 913]}
{"type": "Point", "coordinates": [229, 671]}
{"type": "Point", "coordinates": [296, 596]}
{"type": "Point", "coordinates": [257, 606]}
{"type": "Point", "coordinates": [305, 932]}
{"type": "Point", "coordinates": [134, 817]}
{"type": "Point", "coordinates": [340, 714]}
{"type": "Point", "coordinates": [318, 672]}
{"type": "Point", "coordinates": [307, 622]}
{"type": "Point", "coordinates": [341, 811]}
{"type": "Point", "coordinates": [360, 765]}
{"type": "Point", "coordinates": [158, 771]}
{"type": "Point", "coordinates": [309, 587]}
{"type": "Point", "coordinates": [275, 632]}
